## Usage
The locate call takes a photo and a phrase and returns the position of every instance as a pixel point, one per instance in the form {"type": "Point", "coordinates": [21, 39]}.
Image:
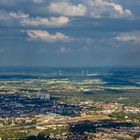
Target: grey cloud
{"type": "Point", "coordinates": [53, 21]}
{"type": "Point", "coordinates": [128, 37]}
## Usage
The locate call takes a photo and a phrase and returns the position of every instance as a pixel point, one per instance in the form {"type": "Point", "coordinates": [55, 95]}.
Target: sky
{"type": "Point", "coordinates": [70, 33]}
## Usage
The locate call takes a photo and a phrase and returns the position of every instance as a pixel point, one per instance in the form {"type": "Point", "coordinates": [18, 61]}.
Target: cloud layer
{"type": "Point", "coordinates": [105, 8]}
{"type": "Point", "coordinates": [91, 8]}
{"type": "Point", "coordinates": [76, 32]}
{"type": "Point", "coordinates": [38, 21]}
{"type": "Point", "coordinates": [23, 19]}
{"type": "Point", "coordinates": [41, 35]}
{"type": "Point", "coordinates": [67, 9]}
{"type": "Point", "coordinates": [128, 37]}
